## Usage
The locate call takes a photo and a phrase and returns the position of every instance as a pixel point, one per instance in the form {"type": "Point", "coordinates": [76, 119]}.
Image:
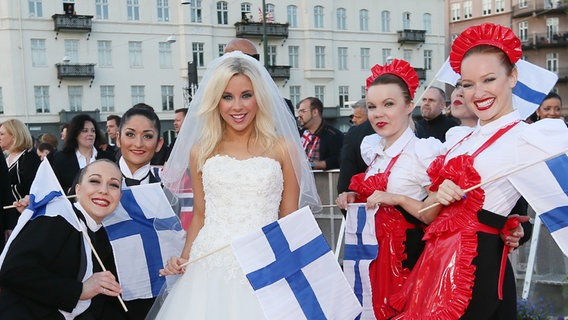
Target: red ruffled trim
{"type": "Point", "coordinates": [366, 187]}
{"type": "Point", "coordinates": [440, 285]}
{"type": "Point", "coordinates": [386, 272]}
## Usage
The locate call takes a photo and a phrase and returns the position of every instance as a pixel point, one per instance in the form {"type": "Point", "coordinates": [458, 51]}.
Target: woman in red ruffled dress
{"type": "Point", "coordinates": [397, 162]}
{"type": "Point", "coordinates": [464, 272]}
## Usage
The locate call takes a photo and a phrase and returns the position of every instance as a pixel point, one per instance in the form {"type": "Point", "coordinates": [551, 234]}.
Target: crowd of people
{"type": "Point", "coordinates": [435, 261]}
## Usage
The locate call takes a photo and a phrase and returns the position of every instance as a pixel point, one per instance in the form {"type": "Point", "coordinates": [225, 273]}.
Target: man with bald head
{"type": "Point", "coordinates": [433, 122]}
{"type": "Point", "coordinates": [244, 45]}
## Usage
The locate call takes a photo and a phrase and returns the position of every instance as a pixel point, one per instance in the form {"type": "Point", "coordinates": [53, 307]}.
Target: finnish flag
{"type": "Point", "coordinates": [361, 249]}
{"type": "Point", "coordinates": [293, 272]}
{"type": "Point", "coordinates": [533, 84]}
{"type": "Point", "coordinates": [144, 233]}
{"type": "Point", "coordinates": [48, 199]}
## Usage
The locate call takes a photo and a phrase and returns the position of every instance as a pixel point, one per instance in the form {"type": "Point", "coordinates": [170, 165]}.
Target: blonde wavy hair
{"type": "Point", "coordinates": [22, 137]}
{"type": "Point", "coordinates": [264, 126]}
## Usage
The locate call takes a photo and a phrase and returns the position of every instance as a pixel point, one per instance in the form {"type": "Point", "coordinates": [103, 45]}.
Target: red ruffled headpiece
{"type": "Point", "coordinates": [489, 34]}
{"type": "Point", "coordinates": [399, 68]}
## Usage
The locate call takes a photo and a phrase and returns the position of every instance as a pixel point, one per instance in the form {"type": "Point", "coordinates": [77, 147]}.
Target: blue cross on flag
{"type": "Point", "coordinates": [361, 249]}
{"type": "Point", "coordinates": [293, 272]}
{"type": "Point", "coordinates": [144, 233]}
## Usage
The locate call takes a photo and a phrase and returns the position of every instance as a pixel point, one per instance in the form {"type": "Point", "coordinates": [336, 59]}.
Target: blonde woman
{"type": "Point", "coordinates": [247, 170]}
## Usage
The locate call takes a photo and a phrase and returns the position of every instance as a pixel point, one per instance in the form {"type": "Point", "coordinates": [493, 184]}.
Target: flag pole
{"type": "Point", "coordinates": [430, 83]}
{"type": "Point", "coordinates": [13, 206]}
{"type": "Point", "coordinates": [203, 256]}
{"type": "Point", "coordinates": [499, 177]}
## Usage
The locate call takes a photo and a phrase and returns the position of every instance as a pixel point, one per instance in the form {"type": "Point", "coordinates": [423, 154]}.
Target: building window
{"type": "Point", "coordinates": [38, 52]}
{"type": "Point", "coordinates": [165, 55]}
{"type": "Point", "coordinates": [107, 98]}
{"type": "Point", "coordinates": [523, 3]}
{"type": "Point", "coordinates": [319, 92]}
{"type": "Point", "coordinates": [295, 95]}
{"type": "Point", "coordinates": [551, 29]}
{"type": "Point", "coordinates": [1, 102]}
{"type": "Point", "coordinates": [167, 98]}
{"type": "Point", "coordinates": [41, 95]}
{"type": "Point", "coordinates": [427, 19]}
{"type": "Point", "coordinates": [246, 11]}
{"type": "Point", "coordinates": [72, 50]}
{"type": "Point", "coordinates": [101, 8]}
{"type": "Point", "coordinates": [163, 11]}
{"type": "Point", "coordinates": [342, 58]}
{"type": "Point", "coordinates": [499, 6]}
{"type": "Point", "coordinates": [270, 11]}
{"type": "Point", "coordinates": [467, 9]}
{"type": "Point", "coordinates": [485, 7]}
{"type": "Point", "coordinates": [195, 9]}
{"type": "Point", "coordinates": [137, 94]}
{"type": "Point", "coordinates": [365, 58]}
{"type": "Point", "coordinates": [385, 21]}
{"type": "Point", "coordinates": [406, 20]}
{"type": "Point", "coordinates": [552, 62]}
{"type": "Point", "coordinates": [343, 95]}
{"type": "Point", "coordinates": [35, 8]}
{"type": "Point", "coordinates": [105, 53]}
{"type": "Point", "coordinates": [364, 20]}
{"type": "Point", "coordinates": [455, 11]}
{"type": "Point", "coordinates": [363, 92]}
{"type": "Point", "coordinates": [75, 98]}
{"type": "Point", "coordinates": [221, 48]}
{"type": "Point", "coordinates": [222, 13]}
{"type": "Point", "coordinates": [524, 31]}
{"type": "Point", "coordinates": [341, 17]}
{"type": "Point", "coordinates": [293, 55]}
{"type": "Point", "coordinates": [133, 9]}
{"type": "Point", "coordinates": [320, 57]}
{"type": "Point", "coordinates": [292, 12]}
{"type": "Point", "coordinates": [428, 59]}
{"type": "Point", "coordinates": [318, 17]}
{"type": "Point", "coordinates": [386, 53]}
{"type": "Point", "coordinates": [407, 55]}
{"type": "Point", "coordinates": [271, 51]}
{"type": "Point", "coordinates": [135, 54]}
{"type": "Point", "coordinates": [197, 48]}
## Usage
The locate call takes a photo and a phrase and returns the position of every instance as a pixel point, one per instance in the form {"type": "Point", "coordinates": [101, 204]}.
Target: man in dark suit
{"type": "Point", "coordinates": [433, 122]}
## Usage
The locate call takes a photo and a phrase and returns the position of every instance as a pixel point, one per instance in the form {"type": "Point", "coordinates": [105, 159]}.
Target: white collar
{"type": "Point", "coordinates": [91, 223]}
{"type": "Point", "coordinates": [495, 125]}
{"type": "Point", "coordinates": [138, 174]}
{"type": "Point", "coordinates": [397, 147]}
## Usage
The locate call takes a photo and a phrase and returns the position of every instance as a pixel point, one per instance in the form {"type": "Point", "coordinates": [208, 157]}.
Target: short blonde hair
{"type": "Point", "coordinates": [209, 111]}
{"type": "Point", "coordinates": [22, 137]}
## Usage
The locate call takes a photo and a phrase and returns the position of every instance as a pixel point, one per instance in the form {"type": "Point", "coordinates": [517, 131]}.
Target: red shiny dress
{"type": "Point", "coordinates": [440, 285]}
{"type": "Point", "coordinates": [388, 272]}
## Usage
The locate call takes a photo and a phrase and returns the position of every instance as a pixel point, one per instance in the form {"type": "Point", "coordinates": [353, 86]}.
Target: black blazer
{"type": "Point", "coordinates": [351, 161]}
{"type": "Point", "coordinates": [22, 174]}
{"type": "Point", "coordinates": [66, 168]}
{"type": "Point", "coordinates": [5, 199]}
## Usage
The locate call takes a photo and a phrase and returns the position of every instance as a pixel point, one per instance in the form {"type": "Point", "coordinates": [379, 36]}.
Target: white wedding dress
{"type": "Point", "coordinates": [240, 196]}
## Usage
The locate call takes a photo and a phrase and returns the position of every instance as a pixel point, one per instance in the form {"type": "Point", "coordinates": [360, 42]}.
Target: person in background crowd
{"type": "Point", "coordinates": [5, 200]}
{"type": "Point", "coordinates": [79, 150]}
{"type": "Point", "coordinates": [112, 125]}
{"type": "Point", "coordinates": [321, 142]}
{"type": "Point", "coordinates": [359, 112]}
{"type": "Point", "coordinates": [63, 131]}
{"type": "Point", "coordinates": [179, 116]}
{"type": "Point", "coordinates": [550, 107]}
{"type": "Point", "coordinates": [22, 161]}
{"type": "Point", "coordinates": [44, 274]}
{"type": "Point", "coordinates": [433, 122]}
{"type": "Point", "coordinates": [44, 150]}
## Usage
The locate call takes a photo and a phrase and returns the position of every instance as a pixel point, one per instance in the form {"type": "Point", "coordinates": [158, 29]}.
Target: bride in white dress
{"type": "Point", "coordinates": [247, 170]}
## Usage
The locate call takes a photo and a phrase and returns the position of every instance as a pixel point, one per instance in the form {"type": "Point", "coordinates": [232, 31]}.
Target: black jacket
{"type": "Point", "coordinates": [66, 168]}
{"type": "Point", "coordinates": [351, 161]}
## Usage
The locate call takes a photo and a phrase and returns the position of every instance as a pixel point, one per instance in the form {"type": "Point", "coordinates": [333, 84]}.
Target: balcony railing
{"type": "Point", "coordinates": [536, 7]}
{"type": "Point", "coordinates": [279, 72]}
{"type": "Point", "coordinates": [72, 22]}
{"type": "Point", "coordinates": [546, 40]}
{"type": "Point", "coordinates": [75, 71]}
{"type": "Point", "coordinates": [255, 29]}
{"type": "Point", "coordinates": [411, 36]}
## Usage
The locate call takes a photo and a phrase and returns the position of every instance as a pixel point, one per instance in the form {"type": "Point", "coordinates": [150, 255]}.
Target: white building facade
{"type": "Point", "coordinates": [109, 55]}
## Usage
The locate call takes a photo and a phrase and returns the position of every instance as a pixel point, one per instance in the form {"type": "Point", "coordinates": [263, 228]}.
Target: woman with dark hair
{"type": "Point", "coordinates": [78, 151]}
{"type": "Point", "coordinates": [550, 107]}
{"type": "Point", "coordinates": [16, 141]}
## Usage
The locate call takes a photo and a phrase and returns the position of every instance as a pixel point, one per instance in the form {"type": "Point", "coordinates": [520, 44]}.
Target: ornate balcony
{"type": "Point", "coordinates": [546, 40]}
{"type": "Point", "coordinates": [72, 23]}
{"type": "Point", "coordinates": [279, 72]}
{"type": "Point", "coordinates": [537, 7]}
{"type": "Point", "coordinates": [411, 36]}
{"type": "Point", "coordinates": [75, 71]}
{"type": "Point", "coordinates": [255, 30]}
